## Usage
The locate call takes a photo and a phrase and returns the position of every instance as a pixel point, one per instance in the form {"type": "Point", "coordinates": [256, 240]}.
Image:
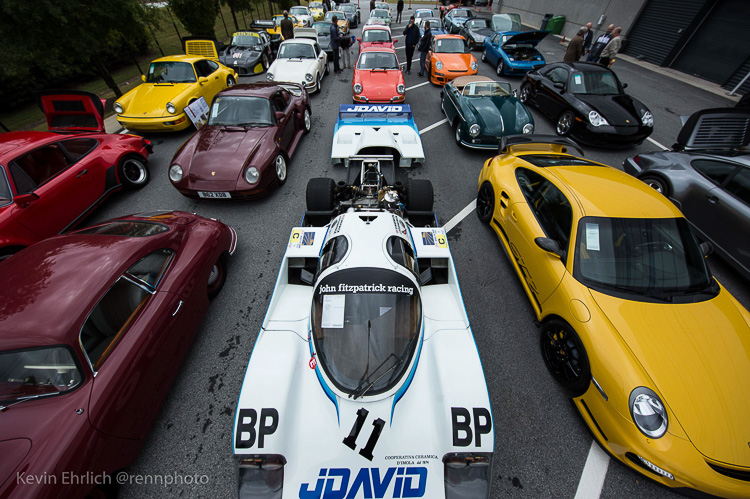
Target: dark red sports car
{"type": "Point", "coordinates": [49, 181]}
{"type": "Point", "coordinates": [94, 326]}
{"type": "Point", "coordinates": [243, 151]}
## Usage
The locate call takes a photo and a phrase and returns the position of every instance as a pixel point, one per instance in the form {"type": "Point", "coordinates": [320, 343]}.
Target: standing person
{"type": "Point", "coordinates": [411, 32]}
{"type": "Point", "coordinates": [399, 9]}
{"type": "Point", "coordinates": [599, 44]}
{"type": "Point", "coordinates": [587, 38]}
{"type": "Point", "coordinates": [575, 47]}
{"type": "Point", "coordinates": [335, 44]}
{"type": "Point", "coordinates": [346, 44]}
{"type": "Point", "coordinates": [424, 46]}
{"type": "Point", "coordinates": [490, 4]}
{"type": "Point", "coordinates": [287, 27]}
{"type": "Point", "coordinates": [607, 57]}
{"type": "Point", "coordinates": [372, 6]}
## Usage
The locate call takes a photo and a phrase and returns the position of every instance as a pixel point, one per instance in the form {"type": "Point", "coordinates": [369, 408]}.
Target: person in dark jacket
{"type": "Point", "coordinates": [411, 32]}
{"type": "Point", "coordinates": [287, 27]}
{"type": "Point", "coordinates": [372, 5]}
{"type": "Point", "coordinates": [424, 46]}
{"type": "Point", "coordinates": [599, 44]}
{"type": "Point", "coordinates": [587, 38]}
{"type": "Point", "coordinates": [575, 47]}
{"type": "Point", "coordinates": [335, 43]}
{"type": "Point", "coordinates": [399, 9]}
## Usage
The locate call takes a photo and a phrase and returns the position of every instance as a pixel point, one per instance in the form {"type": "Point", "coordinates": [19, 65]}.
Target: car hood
{"type": "Point", "coordinates": [293, 70]}
{"type": "Point", "coordinates": [374, 82]}
{"type": "Point", "coordinates": [497, 115]}
{"type": "Point", "coordinates": [698, 356]}
{"type": "Point", "coordinates": [240, 54]}
{"type": "Point", "coordinates": [529, 37]}
{"type": "Point", "coordinates": [221, 154]}
{"type": "Point", "coordinates": [455, 62]}
{"type": "Point", "coordinates": [618, 110]}
{"type": "Point", "coordinates": [481, 33]}
{"type": "Point", "coordinates": [149, 99]}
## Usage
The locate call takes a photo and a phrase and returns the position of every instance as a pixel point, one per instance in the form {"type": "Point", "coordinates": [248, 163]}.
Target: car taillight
{"type": "Point", "coordinates": [261, 477]}
{"type": "Point", "coordinates": [637, 160]}
{"type": "Point", "coordinates": [467, 475]}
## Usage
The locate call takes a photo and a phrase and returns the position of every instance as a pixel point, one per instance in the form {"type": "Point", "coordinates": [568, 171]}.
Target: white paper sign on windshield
{"type": "Point", "coordinates": [592, 237]}
{"type": "Point", "coordinates": [333, 311]}
{"type": "Point", "coordinates": [197, 111]}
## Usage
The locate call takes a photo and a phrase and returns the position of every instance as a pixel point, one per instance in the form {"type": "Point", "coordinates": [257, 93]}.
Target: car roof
{"type": "Point", "coordinates": [258, 89]}
{"type": "Point", "coordinates": [14, 143]}
{"type": "Point", "coordinates": [448, 35]}
{"type": "Point", "coordinates": [582, 66]}
{"type": "Point", "coordinates": [377, 48]}
{"type": "Point", "coordinates": [308, 41]}
{"type": "Point", "coordinates": [179, 58]}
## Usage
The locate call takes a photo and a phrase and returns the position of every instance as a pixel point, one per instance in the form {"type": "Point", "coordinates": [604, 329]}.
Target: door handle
{"type": "Point", "coordinates": [712, 199]}
{"type": "Point", "coordinates": [82, 173]}
{"type": "Point", "coordinates": [179, 306]}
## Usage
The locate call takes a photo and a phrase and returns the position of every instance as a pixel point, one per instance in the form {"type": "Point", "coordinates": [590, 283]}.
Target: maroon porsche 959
{"type": "Point", "coordinates": [49, 181]}
{"type": "Point", "coordinates": [243, 151]}
{"type": "Point", "coordinates": [94, 326]}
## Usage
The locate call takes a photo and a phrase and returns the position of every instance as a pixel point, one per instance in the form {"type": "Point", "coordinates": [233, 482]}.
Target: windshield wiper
{"type": "Point", "coordinates": [24, 399]}
{"type": "Point", "coordinates": [253, 123]}
{"type": "Point", "coordinates": [361, 390]}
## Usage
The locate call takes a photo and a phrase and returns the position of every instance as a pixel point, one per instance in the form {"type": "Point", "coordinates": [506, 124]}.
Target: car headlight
{"type": "Point", "coordinates": [175, 173]}
{"type": "Point", "coordinates": [528, 128]}
{"type": "Point", "coordinates": [251, 175]}
{"type": "Point", "coordinates": [401, 89]}
{"type": "Point", "coordinates": [474, 65]}
{"type": "Point", "coordinates": [438, 65]}
{"type": "Point", "coordinates": [261, 476]}
{"type": "Point", "coordinates": [647, 119]}
{"type": "Point", "coordinates": [308, 78]}
{"type": "Point", "coordinates": [596, 119]}
{"type": "Point", "coordinates": [467, 474]}
{"type": "Point", "coordinates": [269, 76]}
{"type": "Point", "coordinates": [171, 109]}
{"type": "Point", "coordinates": [117, 107]}
{"type": "Point", "coordinates": [648, 412]}
{"type": "Point", "coordinates": [474, 130]}
{"type": "Point", "coordinates": [357, 88]}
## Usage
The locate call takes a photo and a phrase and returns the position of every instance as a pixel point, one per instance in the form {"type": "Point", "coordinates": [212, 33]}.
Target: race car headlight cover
{"type": "Point", "coordinates": [528, 128]}
{"type": "Point", "coordinates": [597, 119]}
{"type": "Point", "coordinates": [648, 412]}
{"type": "Point", "coordinates": [467, 475]}
{"type": "Point", "coordinates": [357, 88]}
{"type": "Point", "coordinates": [175, 173]}
{"type": "Point", "coordinates": [474, 65]}
{"type": "Point", "coordinates": [252, 175]}
{"type": "Point", "coordinates": [171, 109]}
{"type": "Point", "coordinates": [438, 65]}
{"type": "Point", "coordinates": [117, 107]}
{"type": "Point", "coordinates": [261, 477]}
{"type": "Point", "coordinates": [647, 118]}
{"type": "Point", "coordinates": [474, 130]}
{"type": "Point", "coordinates": [401, 89]}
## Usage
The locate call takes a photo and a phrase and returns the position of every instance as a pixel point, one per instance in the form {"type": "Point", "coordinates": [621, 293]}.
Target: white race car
{"type": "Point", "coordinates": [299, 60]}
{"type": "Point", "coordinates": [365, 381]}
{"type": "Point", "coordinates": [302, 13]}
{"type": "Point", "coordinates": [380, 129]}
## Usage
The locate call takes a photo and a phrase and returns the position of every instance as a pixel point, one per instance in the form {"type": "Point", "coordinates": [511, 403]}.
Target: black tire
{"type": "Point", "coordinates": [565, 123]}
{"type": "Point", "coordinates": [307, 121]}
{"type": "Point", "coordinates": [216, 279]}
{"type": "Point", "coordinates": [264, 62]}
{"type": "Point", "coordinates": [565, 356]}
{"type": "Point", "coordinates": [457, 135]}
{"type": "Point", "coordinates": [484, 55]}
{"type": "Point", "coordinates": [485, 202]}
{"type": "Point", "coordinates": [280, 168]}
{"type": "Point", "coordinates": [133, 172]}
{"type": "Point", "coordinates": [327, 70]}
{"type": "Point", "coordinates": [500, 66]}
{"type": "Point", "coordinates": [230, 81]}
{"type": "Point", "coordinates": [658, 183]}
{"type": "Point", "coordinates": [523, 96]}
{"type": "Point", "coordinates": [319, 194]}
{"type": "Point", "coordinates": [420, 195]}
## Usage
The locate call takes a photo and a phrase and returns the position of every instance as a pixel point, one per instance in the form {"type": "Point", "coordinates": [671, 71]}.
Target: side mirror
{"type": "Point", "coordinates": [24, 200]}
{"type": "Point", "coordinates": [202, 80]}
{"type": "Point", "coordinates": [706, 248]}
{"type": "Point", "coordinates": [395, 40]}
{"type": "Point", "coordinates": [143, 78]}
{"type": "Point", "coordinates": [550, 246]}
{"type": "Point", "coordinates": [359, 40]}
{"type": "Point", "coordinates": [624, 85]}
{"type": "Point", "coordinates": [279, 115]}
{"type": "Point", "coordinates": [515, 93]}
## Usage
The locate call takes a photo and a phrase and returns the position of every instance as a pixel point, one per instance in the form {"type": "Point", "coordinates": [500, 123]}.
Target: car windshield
{"type": "Point", "coordinates": [299, 11]}
{"type": "Point", "coordinates": [339, 15]}
{"type": "Point", "coordinates": [434, 22]}
{"type": "Point", "coordinates": [315, 5]}
{"type": "Point", "coordinates": [487, 89]}
{"type": "Point", "coordinates": [424, 13]}
{"type": "Point", "coordinates": [296, 51]}
{"type": "Point", "coordinates": [36, 372]}
{"type": "Point", "coordinates": [245, 40]}
{"type": "Point", "coordinates": [451, 46]}
{"type": "Point", "coordinates": [504, 22]}
{"type": "Point", "coordinates": [379, 13]}
{"type": "Point", "coordinates": [5, 195]}
{"type": "Point", "coordinates": [377, 60]}
{"type": "Point", "coordinates": [461, 13]}
{"type": "Point", "coordinates": [323, 28]}
{"type": "Point", "coordinates": [349, 8]}
{"type": "Point", "coordinates": [478, 24]}
{"type": "Point", "coordinates": [365, 325]}
{"type": "Point", "coordinates": [170, 72]}
{"type": "Point", "coordinates": [376, 35]}
{"type": "Point", "coordinates": [651, 256]}
{"type": "Point", "coordinates": [240, 111]}
{"type": "Point", "coordinates": [382, 5]}
{"type": "Point", "coordinates": [594, 83]}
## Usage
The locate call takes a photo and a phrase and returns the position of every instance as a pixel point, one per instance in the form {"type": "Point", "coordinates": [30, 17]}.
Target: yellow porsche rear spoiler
{"type": "Point", "coordinates": [201, 47]}
{"type": "Point", "coordinates": [517, 143]}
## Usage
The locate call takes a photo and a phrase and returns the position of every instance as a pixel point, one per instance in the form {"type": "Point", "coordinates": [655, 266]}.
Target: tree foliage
{"type": "Point", "coordinates": [198, 16]}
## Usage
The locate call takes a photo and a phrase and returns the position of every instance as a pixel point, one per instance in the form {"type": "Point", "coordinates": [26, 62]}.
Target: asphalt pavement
{"type": "Point", "coordinates": [542, 447]}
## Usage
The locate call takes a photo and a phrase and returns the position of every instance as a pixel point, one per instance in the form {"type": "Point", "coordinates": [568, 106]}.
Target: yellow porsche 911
{"type": "Point", "coordinates": [653, 350]}
{"type": "Point", "coordinates": [316, 9]}
{"type": "Point", "coordinates": [173, 82]}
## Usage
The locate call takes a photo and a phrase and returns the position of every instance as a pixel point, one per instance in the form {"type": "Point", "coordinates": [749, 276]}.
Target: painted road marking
{"type": "Point", "coordinates": [460, 216]}
{"type": "Point", "coordinates": [418, 85]}
{"type": "Point", "coordinates": [656, 143]}
{"type": "Point", "coordinates": [434, 125]}
{"type": "Point", "coordinates": [594, 471]}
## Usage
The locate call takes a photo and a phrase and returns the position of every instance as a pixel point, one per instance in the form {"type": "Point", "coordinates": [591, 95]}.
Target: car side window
{"type": "Point", "coordinates": [37, 167]}
{"type": "Point", "coordinates": [78, 148]}
{"type": "Point", "coordinates": [495, 39]}
{"type": "Point", "coordinates": [278, 102]}
{"type": "Point", "coordinates": [333, 252]}
{"type": "Point", "coordinates": [740, 185]}
{"type": "Point", "coordinates": [119, 306]}
{"type": "Point", "coordinates": [285, 95]}
{"type": "Point", "coordinates": [716, 171]}
{"type": "Point", "coordinates": [549, 205]}
{"type": "Point", "coordinates": [212, 66]}
{"type": "Point", "coordinates": [204, 69]}
{"type": "Point", "coordinates": [317, 49]}
{"type": "Point", "coordinates": [558, 75]}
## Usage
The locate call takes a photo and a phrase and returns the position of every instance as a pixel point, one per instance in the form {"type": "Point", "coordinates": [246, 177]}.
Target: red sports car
{"type": "Point", "coordinates": [252, 132]}
{"type": "Point", "coordinates": [378, 77]}
{"type": "Point", "coordinates": [374, 35]}
{"type": "Point", "coordinates": [95, 326]}
{"type": "Point", "coordinates": [49, 181]}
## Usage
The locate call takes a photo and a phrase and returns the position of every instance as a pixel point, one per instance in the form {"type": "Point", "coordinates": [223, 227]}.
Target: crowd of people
{"type": "Point", "coordinates": [602, 51]}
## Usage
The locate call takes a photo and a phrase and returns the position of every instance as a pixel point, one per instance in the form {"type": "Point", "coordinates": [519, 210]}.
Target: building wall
{"type": "Point", "coordinates": [577, 12]}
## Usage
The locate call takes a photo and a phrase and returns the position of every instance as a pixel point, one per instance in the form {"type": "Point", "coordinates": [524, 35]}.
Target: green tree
{"type": "Point", "coordinates": [198, 16]}
{"type": "Point", "coordinates": [237, 6]}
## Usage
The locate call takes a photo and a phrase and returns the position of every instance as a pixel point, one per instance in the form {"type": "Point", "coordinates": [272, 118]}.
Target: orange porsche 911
{"type": "Point", "coordinates": [448, 58]}
{"type": "Point", "coordinates": [378, 77]}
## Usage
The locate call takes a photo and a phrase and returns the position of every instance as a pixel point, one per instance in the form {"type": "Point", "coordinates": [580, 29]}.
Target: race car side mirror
{"type": "Point", "coordinates": [550, 246]}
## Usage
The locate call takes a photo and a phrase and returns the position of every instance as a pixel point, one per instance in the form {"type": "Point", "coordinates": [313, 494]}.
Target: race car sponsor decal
{"type": "Point", "coordinates": [435, 237]}
{"type": "Point", "coordinates": [412, 459]}
{"type": "Point", "coordinates": [461, 421]}
{"type": "Point", "coordinates": [308, 239]}
{"type": "Point", "coordinates": [301, 237]}
{"type": "Point", "coordinates": [353, 108]}
{"type": "Point", "coordinates": [350, 440]}
{"type": "Point", "coordinates": [399, 225]}
{"type": "Point", "coordinates": [365, 288]}
{"type": "Point", "coordinates": [336, 226]}
{"type": "Point", "coordinates": [246, 434]}
{"type": "Point", "coordinates": [313, 363]}
{"type": "Point", "coordinates": [394, 482]}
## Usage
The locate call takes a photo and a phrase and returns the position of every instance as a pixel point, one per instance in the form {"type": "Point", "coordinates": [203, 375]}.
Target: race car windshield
{"type": "Point", "coordinates": [240, 111]}
{"type": "Point", "coordinates": [170, 72]}
{"type": "Point", "coordinates": [377, 60]}
{"type": "Point", "coordinates": [451, 46]}
{"type": "Point", "coordinates": [656, 258]}
{"type": "Point", "coordinates": [376, 35]}
{"type": "Point", "coordinates": [245, 40]}
{"type": "Point", "coordinates": [365, 325]}
{"type": "Point", "coordinates": [33, 373]}
{"type": "Point", "coordinates": [296, 51]}
{"type": "Point", "coordinates": [595, 83]}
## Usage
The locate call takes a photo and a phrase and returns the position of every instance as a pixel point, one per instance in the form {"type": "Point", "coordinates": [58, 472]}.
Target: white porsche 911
{"type": "Point", "coordinates": [299, 60]}
{"type": "Point", "coordinates": [365, 381]}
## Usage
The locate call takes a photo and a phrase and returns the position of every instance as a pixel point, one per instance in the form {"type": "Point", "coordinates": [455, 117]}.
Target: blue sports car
{"type": "Point", "coordinates": [436, 26]}
{"type": "Point", "coordinates": [513, 52]}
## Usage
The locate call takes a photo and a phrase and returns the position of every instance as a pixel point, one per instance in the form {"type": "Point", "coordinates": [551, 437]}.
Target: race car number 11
{"type": "Point", "coordinates": [350, 441]}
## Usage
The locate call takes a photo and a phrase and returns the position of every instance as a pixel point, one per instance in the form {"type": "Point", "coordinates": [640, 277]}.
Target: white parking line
{"type": "Point", "coordinates": [434, 125]}
{"type": "Point", "coordinates": [654, 142]}
{"type": "Point", "coordinates": [418, 85]}
{"type": "Point", "coordinates": [594, 471]}
{"type": "Point", "coordinates": [460, 216]}
{"type": "Point", "coordinates": [401, 47]}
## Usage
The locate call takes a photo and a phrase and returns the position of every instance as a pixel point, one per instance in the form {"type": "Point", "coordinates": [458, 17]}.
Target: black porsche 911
{"type": "Point", "coordinates": [588, 102]}
{"type": "Point", "coordinates": [475, 31]}
{"type": "Point", "coordinates": [248, 53]}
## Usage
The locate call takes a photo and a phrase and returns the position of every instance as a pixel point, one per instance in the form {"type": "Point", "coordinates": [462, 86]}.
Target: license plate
{"type": "Point", "coordinates": [224, 195]}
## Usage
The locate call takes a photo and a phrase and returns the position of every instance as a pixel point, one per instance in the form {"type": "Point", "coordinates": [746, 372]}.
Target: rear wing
{"type": "Point", "coordinates": [722, 129]}
{"type": "Point", "coordinates": [201, 46]}
{"type": "Point", "coordinates": [263, 24]}
{"type": "Point", "coordinates": [361, 113]}
{"type": "Point", "coordinates": [310, 33]}
{"type": "Point", "coordinates": [509, 143]}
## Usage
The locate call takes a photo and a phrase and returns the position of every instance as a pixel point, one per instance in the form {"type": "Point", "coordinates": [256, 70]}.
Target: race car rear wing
{"type": "Point", "coordinates": [509, 143]}
{"type": "Point", "coordinates": [722, 129]}
{"type": "Point", "coordinates": [202, 47]}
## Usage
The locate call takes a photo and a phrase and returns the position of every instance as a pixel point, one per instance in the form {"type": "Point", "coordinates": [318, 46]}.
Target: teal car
{"type": "Point", "coordinates": [483, 111]}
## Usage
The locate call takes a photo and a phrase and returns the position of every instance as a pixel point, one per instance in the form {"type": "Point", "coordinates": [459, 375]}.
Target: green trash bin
{"type": "Point", "coordinates": [555, 25]}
